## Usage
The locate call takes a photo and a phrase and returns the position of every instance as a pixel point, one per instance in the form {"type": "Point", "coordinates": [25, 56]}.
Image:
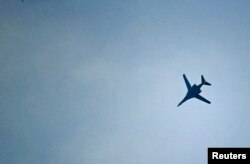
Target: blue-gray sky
{"type": "Point", "coordinates": [98, 81]}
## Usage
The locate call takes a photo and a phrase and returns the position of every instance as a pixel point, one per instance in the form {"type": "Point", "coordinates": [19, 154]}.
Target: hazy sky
{"type": "Point", "coordinates": [98, 81]}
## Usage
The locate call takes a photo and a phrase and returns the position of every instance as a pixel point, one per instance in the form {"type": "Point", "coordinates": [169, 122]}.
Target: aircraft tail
{"type": "Point", "coordinates": [203, 81]}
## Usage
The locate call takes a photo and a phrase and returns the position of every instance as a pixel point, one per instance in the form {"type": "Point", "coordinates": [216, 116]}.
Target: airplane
{"type": "Point", "coordinates": [194, 91]}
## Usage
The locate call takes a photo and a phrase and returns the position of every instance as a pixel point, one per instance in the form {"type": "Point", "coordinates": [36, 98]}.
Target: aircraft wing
{"type": "Point", "coordinates": [187, 82]}
{"type": "Point", "coordinates": [202, 99]}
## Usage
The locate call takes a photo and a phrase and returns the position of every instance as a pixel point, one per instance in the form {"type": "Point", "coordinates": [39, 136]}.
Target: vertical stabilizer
{"type": "Point", "coordinates": [203, 81]}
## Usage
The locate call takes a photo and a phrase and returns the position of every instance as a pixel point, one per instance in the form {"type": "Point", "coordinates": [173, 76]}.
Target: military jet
{"type": "Point", "coordinates": [194, 91]}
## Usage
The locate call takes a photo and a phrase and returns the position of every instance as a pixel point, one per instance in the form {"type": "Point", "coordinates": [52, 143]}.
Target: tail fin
{"type": "Point", "coordinates": [203, 81]}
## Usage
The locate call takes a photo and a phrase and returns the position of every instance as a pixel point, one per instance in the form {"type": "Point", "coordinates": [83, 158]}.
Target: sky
{"type": "Point", "coordinates": [98, 81]}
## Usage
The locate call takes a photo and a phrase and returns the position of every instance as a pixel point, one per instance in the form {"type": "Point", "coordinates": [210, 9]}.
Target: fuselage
{"type": "Point", "coordinates": [194, 91]}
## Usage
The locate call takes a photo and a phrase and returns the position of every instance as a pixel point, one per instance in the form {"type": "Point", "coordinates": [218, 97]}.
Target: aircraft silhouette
{"type": "Point", "coordinates": [194, 91]}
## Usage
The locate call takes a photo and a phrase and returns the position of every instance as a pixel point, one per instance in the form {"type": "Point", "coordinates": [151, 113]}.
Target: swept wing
{"type": "Point", "coordinates": [186, 82]}
{"type": "Point", "coordinates": [202, 99]}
